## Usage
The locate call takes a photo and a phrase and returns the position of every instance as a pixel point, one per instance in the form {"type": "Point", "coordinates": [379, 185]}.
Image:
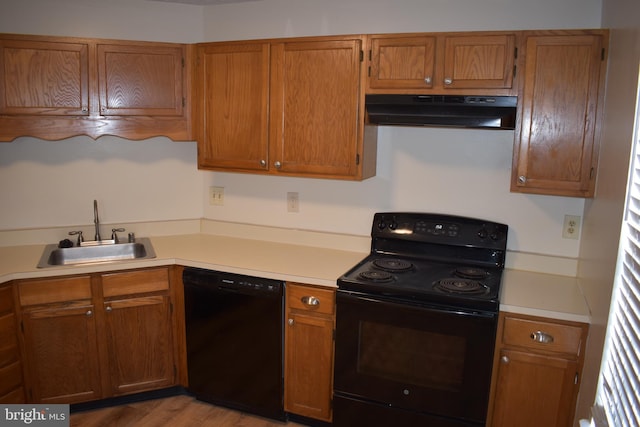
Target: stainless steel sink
{"type": "Point", "coordinates": [96, 253]}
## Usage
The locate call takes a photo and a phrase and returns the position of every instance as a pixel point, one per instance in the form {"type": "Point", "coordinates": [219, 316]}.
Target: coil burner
{"type": "Point", "coordinates": [456, 285]}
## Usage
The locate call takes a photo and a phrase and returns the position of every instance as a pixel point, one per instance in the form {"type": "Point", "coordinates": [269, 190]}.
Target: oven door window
{"type": "Point", "coordinates": [418, 358]}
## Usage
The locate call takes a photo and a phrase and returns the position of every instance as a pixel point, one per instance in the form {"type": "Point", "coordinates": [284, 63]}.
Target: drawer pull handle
{"type": "Point", "coordinates": [290, 322]}
{"type": "Point", "coordinates": [542, 337]}
{"type": "Point", "coordinates": [504, 359]}
{"type": "Point", "coordinates": [310, 301]}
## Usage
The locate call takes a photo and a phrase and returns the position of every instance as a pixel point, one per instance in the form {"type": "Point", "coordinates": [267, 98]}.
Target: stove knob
{"type": "Point", "coordinates": [393, 225]}
{"type": "Point", "coordinates": [382, 225]}
{"type": "Point", "coordinates": [483, 233]}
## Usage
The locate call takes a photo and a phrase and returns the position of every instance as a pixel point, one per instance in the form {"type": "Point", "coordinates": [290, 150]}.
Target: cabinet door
{"type": "Point", "coordinates": [11, 386]}
{"type": "Point", "coordinates": [232, 82]}
{"type": "Point", "coordinates": [402, 62]}
{"type": "Point", "coordinates": [314, 107]}
{"type": "Point", "coordinates": [556, 149]}
{"type": "Point", "coordinates": [62, 353]}
{"type": "Point", "coordinates": [479, 62]}
{"type": "Point", "coordinates": [139, 342]}
{"type": "Point", "coordinates": [534, 390]}
{"type": "Point", "coordinates": [44, 78]}
{"type": "Point", "coordinates": [140, 80]}
{"type": "Point", "coordinates": [309, 365]}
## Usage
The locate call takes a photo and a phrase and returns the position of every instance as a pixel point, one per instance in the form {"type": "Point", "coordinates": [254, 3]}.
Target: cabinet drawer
{"type": "Point", "coordinates": [540, 335]}
{"type": "Point", "coordinates": [135, 282]}
{"type": "Point", "coordinates": [54, 290]}
{"type": "Point", "coordinates": [309, 298]}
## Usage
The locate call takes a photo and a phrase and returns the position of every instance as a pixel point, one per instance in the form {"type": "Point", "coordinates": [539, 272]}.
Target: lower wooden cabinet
{"type": "Point", "coordinates": [96, 336]}
{"type": "Point", "coordinates": [537, 371]}
{"type": "Point", "coordinates": [310, 317]}
{"type": "Point", "coordinates": [11, 385]}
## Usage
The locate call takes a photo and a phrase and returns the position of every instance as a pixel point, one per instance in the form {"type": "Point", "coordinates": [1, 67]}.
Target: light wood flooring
{"type": "Point", "coordinates": [176, 411]}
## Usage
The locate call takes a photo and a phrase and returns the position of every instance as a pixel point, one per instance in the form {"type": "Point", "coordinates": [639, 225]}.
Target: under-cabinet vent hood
{"type": "Point", "coordinates": [490, 112]}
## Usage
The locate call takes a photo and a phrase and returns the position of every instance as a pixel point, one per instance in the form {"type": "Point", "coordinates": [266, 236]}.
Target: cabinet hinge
{"type": "Point", "coordinates": [171, 308]}
{"type": "Point", "coordinates": [361, 55]}
{"type": "Point", "coordinates": [575, 379]}
{"type": "Point", "coordinates": [357, 159]}
{"type": "Point", "coordinates": [514, 70]}
{"type": "Point", "coordinates": [591, 172]}
{"type": "Point", "coordinates": [602, 55]}
{"type": "Point", "coordinates": [184, 102]}
{"type": "Point", "coordinates": [515, 52]}
{"type": "Point", "coordinates": [22, 326]}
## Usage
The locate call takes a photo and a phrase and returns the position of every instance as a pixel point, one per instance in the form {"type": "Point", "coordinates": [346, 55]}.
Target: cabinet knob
{"type": "Point", "coordinates": [522, 179]}
{"type": "Point", "coordinates": [278, 165]}
{"type": "Point", "coordinates": [427, 80]}
{"type": "Point", "coordinates": [290, 322]}
{"type": "Point", "coordinates": [263, 163]}
{"type": "Point", "coordinates": [448, 81]}
{"type": "Point", "coordinates": [504, 359]}
{"type": "Point", "coordinates": [109, 308]}
{"type": "Point", "coordinates": [310, 301]}
{"type": "Point", "coordinates": [542, 337]}
{"type": "Point", "coordinates": [89, 312]}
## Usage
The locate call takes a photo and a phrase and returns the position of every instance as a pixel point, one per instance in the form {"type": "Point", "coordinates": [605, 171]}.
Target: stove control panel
{"type": "Point", "coordinates": [442, 229]}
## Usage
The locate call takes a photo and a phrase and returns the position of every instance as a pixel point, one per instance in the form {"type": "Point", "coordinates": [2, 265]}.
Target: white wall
{"type": "Point", "coordinates": [603, 215]}
{"type": "Point", "coordinates": [452, 171]}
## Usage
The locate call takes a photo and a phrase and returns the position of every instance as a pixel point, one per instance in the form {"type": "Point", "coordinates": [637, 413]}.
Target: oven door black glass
{"type": "Point", "coordinates": [419, 358]}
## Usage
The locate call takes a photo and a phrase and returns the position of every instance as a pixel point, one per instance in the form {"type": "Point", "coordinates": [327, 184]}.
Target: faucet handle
{"type": "Point", "coordinates": [114, 235]}
{"type": "Point", "coordinates": [80, 238]}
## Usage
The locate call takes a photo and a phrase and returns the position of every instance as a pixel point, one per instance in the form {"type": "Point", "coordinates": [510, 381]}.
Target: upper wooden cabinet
{"type": "Point", "coordinates": [469, 63]}
{"type": "Point", "coordinates": [141, 80]}
{"type": "Point", "coordinates": [286, 107]}
{"type": "Point", "coordinates": [232, 106]}
{"type": "Point", "coordinates": [559, 111]}
{"type": "Point", "coordinates": [54, 88]}
{"type": "Point", "coordinates": [44, 78]}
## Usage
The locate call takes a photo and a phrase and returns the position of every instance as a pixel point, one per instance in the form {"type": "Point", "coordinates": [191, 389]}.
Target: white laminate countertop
{"type": "Point", "coordinates": [523, 292]}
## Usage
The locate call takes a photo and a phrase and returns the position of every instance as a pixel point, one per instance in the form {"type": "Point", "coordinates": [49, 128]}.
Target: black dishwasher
{"type": "Point", "coordinates": [234, 327]}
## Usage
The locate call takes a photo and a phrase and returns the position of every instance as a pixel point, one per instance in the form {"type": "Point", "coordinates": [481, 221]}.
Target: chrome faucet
{"type": "Point", "coordinates": [96, 220]}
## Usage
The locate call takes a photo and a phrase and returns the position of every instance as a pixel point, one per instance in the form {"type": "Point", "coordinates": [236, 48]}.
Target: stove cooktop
{"type": "Point", "coordinates": [430, 258]}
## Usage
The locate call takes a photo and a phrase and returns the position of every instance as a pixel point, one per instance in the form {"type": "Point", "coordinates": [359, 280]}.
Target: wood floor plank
{"type": "Point", "coordinates": [176, 411]}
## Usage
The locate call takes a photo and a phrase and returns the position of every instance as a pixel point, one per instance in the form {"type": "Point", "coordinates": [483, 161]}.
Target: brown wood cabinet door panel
{"type": "Point", "coordinates": [62, 353]}
{"type": "Point", "coordinates": [402, 62]}
{"type": "Point", "coordinates": [309, 366]}
{"type": "Point", "coordinates": [8, 340]}
{"type": "Point", "coordinates": [534, 390]}
{"type": "Point", "coordinates": [479, 62]}
{"type": "Point", "coordinates": [314, 114]}
{"type": "Point", "coordinates": [233, 93]}
{"type": "Point", "coordinates": [41, 78]}
{"type": "Point", "coordinates": [557, 150]}
{"type": "Point", "coordinates": [139, 341]}
{"type": "Point", "coordinates": [140, 80]}
{"type": "Point", "coordinates": [11, 378]}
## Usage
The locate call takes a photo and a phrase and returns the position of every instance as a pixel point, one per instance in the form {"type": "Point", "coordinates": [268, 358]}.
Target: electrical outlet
{"type": "Point", "coordinates": [216, 196]}
{"type": "Point", "coordinates": [571, 227]}
{"type": "Point", "coordinates": [293, 203]}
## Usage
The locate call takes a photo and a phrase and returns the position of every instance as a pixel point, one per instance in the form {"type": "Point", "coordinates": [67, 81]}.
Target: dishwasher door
{"type": "Point", "coordinates": [234, 327]}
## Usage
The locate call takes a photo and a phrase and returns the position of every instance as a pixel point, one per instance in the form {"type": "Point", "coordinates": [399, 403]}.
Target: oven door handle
{"type": "Point", "coordinates": [389, 300]}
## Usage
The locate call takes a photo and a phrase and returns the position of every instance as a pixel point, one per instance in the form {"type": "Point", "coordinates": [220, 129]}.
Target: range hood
{"type": "Point", "coordinates": [483, 112]}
